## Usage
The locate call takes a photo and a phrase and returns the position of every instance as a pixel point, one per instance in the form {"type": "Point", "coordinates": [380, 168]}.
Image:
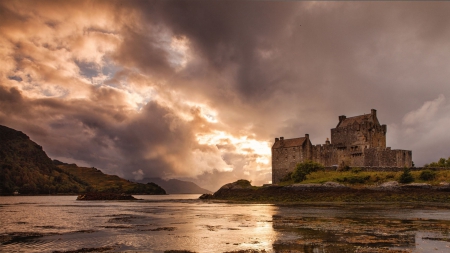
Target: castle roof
{"type": "Point", "coordinates": [358, 119]}
{"type": "Point", "coordinates": [286, 143]}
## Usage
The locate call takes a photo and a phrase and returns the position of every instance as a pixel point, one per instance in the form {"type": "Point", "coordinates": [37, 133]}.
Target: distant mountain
{"type": "Point", "coordinates": [175, 186]}
{"type": "Point", "coordinates": [25, 168]}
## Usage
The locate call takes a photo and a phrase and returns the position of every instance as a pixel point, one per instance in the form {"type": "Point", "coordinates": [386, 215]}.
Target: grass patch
{"type": "Point", "coordinates": [370, 178]}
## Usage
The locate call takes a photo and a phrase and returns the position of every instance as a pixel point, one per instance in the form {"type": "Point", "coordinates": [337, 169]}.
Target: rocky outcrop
{"type": "Point", "coordinates": [105, 196]}
{"type": "Point", "coordinates": [388, 186]}
{"type": "Point", "coordinates": [242, 190]}
{"type": "Point", "coordinates": [324, 186]}
{"type": "Point", "coordinates": [417, 186]}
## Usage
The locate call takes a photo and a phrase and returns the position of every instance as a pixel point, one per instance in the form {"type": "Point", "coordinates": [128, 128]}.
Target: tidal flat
{"type": "Point", "coordinates": [183, 223]}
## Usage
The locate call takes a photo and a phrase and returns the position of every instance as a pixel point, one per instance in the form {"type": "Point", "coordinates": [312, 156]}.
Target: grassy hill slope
{"type": "Point", "coordinates": [26, 168]}
{"type": "Point", "coordinates": [100, 182]}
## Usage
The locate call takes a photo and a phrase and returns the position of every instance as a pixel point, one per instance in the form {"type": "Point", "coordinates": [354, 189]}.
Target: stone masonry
{"type": "Point", "coordinates": [358, 141]}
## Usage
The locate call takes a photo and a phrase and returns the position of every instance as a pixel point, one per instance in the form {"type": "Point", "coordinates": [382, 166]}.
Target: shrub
{"type": "Point", "coordinates": [441, 163]}
{"type": "Point", "coordinates": [287, 177]}
{"type": "Point", "coordinates": [427, 175]}
{"type": "Point", "coordinates": [305, 168]}
{"type": "Point", "coordinates": [390, 175]}
{"type": "Point", "coordinates": [344, 165]}
{"type": "Point", "coordinates": [356, 170]}
{"type": "Point", "coordinates": [406, 177]}
{"type": "Point", "coordinates": [354, 179]}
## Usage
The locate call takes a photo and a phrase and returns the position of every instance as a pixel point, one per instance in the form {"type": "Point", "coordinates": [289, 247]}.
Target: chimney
{"type": "Point", "coordinates": [341, 118]}
{"type": "Point", "coordinates": [373, 112]}
{"type": "Point", "coordinates": [276, 139]}
{"type": "Point", "coordinates": [307, 136]}
{"type": "Point", "coordinates": [281, 138]}
{"type": "Point", "coordinates": [327, 142]}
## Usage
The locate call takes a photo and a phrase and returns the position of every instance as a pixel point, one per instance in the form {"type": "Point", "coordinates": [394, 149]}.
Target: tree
{"type": "Point", "coordinates": [303, 169]}
{"type": "Point", "coordinates": [441, 163]}
{"type": "Point", "coordinates": [427, 175]}
{"type": "Point", "coordinates": [406, 177]}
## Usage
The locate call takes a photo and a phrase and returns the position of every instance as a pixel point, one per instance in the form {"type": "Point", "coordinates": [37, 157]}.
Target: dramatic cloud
{"type": "Point", "coordinates": [198, 90]}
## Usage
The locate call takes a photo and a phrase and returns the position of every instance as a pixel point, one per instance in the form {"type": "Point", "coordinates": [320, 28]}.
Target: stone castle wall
{"type": "Point", "coordinates": [390, 169]}
{"type": "Point", "coordinates": [358, 141]}
{"type": "Point", "coordinates": [285, 159]}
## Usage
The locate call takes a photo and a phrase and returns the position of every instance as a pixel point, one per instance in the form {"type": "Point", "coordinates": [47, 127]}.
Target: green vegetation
{"type": "Point", "coordinates": [353, 178]}
{"type": "Point", "coordinates": [427, 175]}
{"type": "Point", "coordinates": [303, 169]}
{"type": "Point", "coordinates": [406, 177]}
{"type": "Point", "coordinates": [100, 182]}
{"type": "Point", "coordinates": [441, 163]}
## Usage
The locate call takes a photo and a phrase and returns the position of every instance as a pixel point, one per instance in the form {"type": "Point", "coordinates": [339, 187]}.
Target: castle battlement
{"type": "Point", "coordinates": [358, 141]}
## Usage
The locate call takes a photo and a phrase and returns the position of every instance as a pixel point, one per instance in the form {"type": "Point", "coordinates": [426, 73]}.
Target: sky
{"type": "Point", "coordinates": [198, 90]}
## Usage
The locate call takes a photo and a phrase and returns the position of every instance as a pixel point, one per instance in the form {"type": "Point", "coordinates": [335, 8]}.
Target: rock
{"type": "Point", "coordinates": [444, 184]}
{"type": "Point", "coordinates": [388, 186]}
{"type": "Point", "coordinates": [324, 186]}
{"type": "Point", "coordinates": [334, 185]}
{"type": "Point", "coordinates": [240, 184]}
{"type": "Point", "coordinates": [105, 196]}
{"type": "Point", "coordinates": [304, 186]}
{"type": "Point", "coordinates": [417, 186]}
{"type": "Point", "coordinates": [206, 196]}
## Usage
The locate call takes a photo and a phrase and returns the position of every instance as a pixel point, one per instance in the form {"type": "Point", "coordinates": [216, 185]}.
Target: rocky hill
{"type": "Point", "coordinates": [100, 182]}
{"type": "Point", "coordinates": [26, 169]}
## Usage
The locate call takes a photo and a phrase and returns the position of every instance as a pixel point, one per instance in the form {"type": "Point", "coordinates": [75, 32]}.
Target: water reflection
{"type": "Point", "coordinates": [181, 222]}
{"type": "Point", "coordinates": [361, 229]}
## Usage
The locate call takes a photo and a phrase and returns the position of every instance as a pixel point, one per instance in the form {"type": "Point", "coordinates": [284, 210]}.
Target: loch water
{"type": "Point", "coordinates": [183, 222]}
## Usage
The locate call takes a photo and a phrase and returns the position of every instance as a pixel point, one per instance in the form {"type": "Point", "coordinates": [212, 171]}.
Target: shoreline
{"type": "Point", "coordinates": [331, 192]}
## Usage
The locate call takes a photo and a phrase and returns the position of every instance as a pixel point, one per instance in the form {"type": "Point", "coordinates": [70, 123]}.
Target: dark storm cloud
{"type": "Point", "coordinates": [303, 64]}
{"type": "Point", "coordinates": [177, 88]}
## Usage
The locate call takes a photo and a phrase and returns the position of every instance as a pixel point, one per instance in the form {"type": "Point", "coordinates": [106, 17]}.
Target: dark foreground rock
{"type": "Point", "coordinates": [105, 196]}
{"type": "Point", "coordinates": [83, 250]}
{"type": "Point", "coordinates": [242, 190]}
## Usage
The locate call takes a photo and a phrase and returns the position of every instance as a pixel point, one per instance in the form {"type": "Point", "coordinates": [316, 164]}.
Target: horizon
{"type": "Point", "coordinates": [199, 90]}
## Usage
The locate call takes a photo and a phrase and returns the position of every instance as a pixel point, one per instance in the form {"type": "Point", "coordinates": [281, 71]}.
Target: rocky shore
{"type": "Point", "coordinates": [105, 196]}
{"type": "Point", "coordinates": [242, 190]}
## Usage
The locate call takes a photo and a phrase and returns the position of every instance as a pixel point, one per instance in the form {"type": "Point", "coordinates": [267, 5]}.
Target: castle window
{"type": "Point", "coordinates": [293, 156]}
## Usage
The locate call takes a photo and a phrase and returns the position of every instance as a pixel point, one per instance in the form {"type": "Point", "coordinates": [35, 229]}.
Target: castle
{"type": "Point", "coordinates": [358, 141]}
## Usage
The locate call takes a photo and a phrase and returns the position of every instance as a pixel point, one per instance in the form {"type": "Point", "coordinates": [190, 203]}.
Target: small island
{"type": "Point", "coordinates": [105, 196]}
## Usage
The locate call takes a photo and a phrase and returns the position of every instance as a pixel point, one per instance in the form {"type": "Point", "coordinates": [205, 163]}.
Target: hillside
{"type": "Point", "coordinates": [100, 182]}
{"type": "Point", "coordinates": [25, 168]}
{"type": "Point", "coordinates": [175, 186]}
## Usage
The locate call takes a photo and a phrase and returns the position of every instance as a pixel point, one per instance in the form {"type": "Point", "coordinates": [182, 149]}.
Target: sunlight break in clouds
{"type": "Point", "coordinates": [239, 145]}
